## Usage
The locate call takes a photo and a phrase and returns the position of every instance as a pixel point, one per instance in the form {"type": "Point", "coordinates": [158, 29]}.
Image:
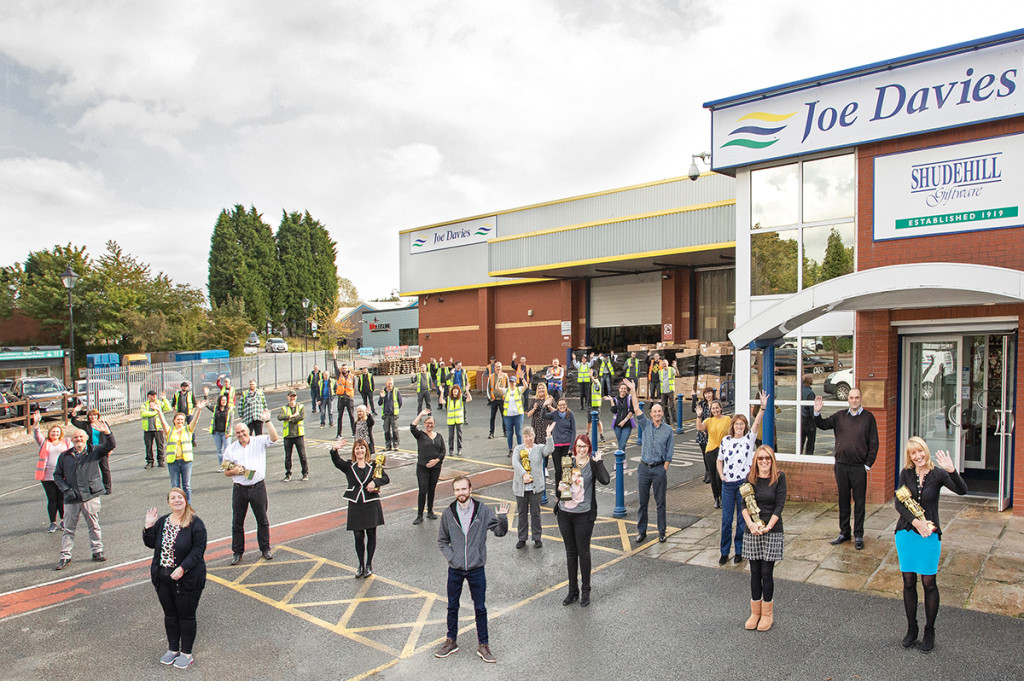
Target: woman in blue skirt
{"type": "Point", "coordinates": [918, 541]}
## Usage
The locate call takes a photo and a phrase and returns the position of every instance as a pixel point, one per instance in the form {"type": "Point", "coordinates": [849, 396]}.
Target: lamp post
{"type": "Point", "coordinates": [282, 320]}
{"type": "Point", "coordinates": [305, 335]}
{"type": "Point", "coordinates": [69, 279]}
{"type": "Point", "coordinates": [313, 325]}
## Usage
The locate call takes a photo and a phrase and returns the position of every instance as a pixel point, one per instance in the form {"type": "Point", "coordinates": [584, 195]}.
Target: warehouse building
{"type": "Point", "coordinates": [880, 245]}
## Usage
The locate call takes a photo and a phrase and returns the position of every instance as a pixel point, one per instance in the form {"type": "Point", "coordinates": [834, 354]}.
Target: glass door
{"type": "Point", "coordinates": [1005, 421]}
{"type": "Point", "coordinates": [932, 384]}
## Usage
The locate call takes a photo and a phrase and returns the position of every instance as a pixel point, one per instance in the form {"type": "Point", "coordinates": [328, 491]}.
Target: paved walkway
{"type": "Point", "coordinates": [982, 565]}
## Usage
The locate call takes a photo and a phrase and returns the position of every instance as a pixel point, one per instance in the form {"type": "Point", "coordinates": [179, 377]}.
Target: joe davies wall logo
{"type": "Point", "coordinates": [764, 134]}
{"type": "Point", "coordinates": [452, 235]}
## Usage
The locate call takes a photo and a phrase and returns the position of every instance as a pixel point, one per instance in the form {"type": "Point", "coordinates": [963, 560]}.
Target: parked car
{"type": "Point", "coordinates": [785, 362]}
{"type": "Point", "coordinates": [5, 385]}
{"type": "Point", "coordinates": [276, 345]}
{"type": "Point", "coordinates": [253, 341]}
{"type": "Point", "coordinates": [838, 383]}
{"type": "Point", "coordinates": [935, 365]}
{"type": "Point", "coordinates": [4, 413]}
{"type": "Point", "coordinates": [165, 382]}
{"type": "Point", "coordinates": [102, 395]}
{"type": "Point", "coordinates": [47, 389]}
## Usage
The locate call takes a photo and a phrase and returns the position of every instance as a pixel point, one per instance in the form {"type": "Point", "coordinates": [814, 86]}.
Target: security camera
{"type": "Point", "coordinates": [694, 173]}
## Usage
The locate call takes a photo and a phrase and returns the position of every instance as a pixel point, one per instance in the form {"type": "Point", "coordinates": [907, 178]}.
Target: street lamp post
{"type": "Point", "coordinates": [305, 325]}
{"type": "Point", "coordinates": [313, 325]}
{"type": "Point", "coordinates": [69, 279]}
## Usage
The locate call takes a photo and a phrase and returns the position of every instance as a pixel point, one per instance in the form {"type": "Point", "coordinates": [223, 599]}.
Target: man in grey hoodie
{"type": "Point", "coordinates": [462, 539]}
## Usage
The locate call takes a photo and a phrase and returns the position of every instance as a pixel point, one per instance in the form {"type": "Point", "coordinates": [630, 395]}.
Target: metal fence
{"type": "Point", "coordinates": [122, 390]}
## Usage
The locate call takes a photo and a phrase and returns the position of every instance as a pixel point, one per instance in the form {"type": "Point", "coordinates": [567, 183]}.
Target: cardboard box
{"type": "Point", "coordinates": [705, 381]}
{"type": "Point", "coordinates": [686, 386]}
{"type": "Point", "coordinates": [641, 387]}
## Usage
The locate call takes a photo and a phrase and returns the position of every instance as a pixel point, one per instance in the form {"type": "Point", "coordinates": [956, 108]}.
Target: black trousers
{"type": "Point", "coordinates": [242, 497]}
{"type": "Point", "coordinates": [585, 396]}
{"type": "Point", "coordinates": [576, 530]}
{"type": "Point", "coordinates": [422, 399]}
{"type": "Point", "coordinates": [556, 465]}
{"type": "Point", "coordinates": [368, 402]}
{"type": "Point", "coordinates": [496, 406]}
{"type": "Point", "coordinates": [808, 433]}
{"type": "Point", "coordinates": [345, 403]}
{"type": "Point", "coordinates": [256, 427]}
{"type": "Point", "coordinates": [298, 443]}
{"type": "Point", "coordinates": [54, 499]}
{"type": "Point", "coordinates": [154, 437]}
{"type": "Point", "coordinates": [179, 612]}
{"type": "Point", "coordinates": [711, 463]}
{"type": "Point", "coordinates": [851, 479]}
{"type": "Point", "coordinates": [426, 480]}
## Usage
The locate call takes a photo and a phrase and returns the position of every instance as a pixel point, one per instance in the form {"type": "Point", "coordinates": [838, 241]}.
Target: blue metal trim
{"type": "Point", "coordinates": [885, 65]}
{"type": "Point", "coordinates": [768, 380]}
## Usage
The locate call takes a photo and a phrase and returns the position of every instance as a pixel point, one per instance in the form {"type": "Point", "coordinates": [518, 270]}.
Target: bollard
{"type": "Point", "coordinates": [679, 414]}
{"type": "Point", "coordinates": [639, 431]}
{"type": "Point", "coordinates": [594, 416]}
{"type": "Point", "coordinates": [620, 492]}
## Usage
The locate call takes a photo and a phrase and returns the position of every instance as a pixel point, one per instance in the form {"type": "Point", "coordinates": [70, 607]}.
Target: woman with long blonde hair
{"type": "Point", "coordinates": [762, 545]}
{"type": "Point", "coordinates": [50, 447]}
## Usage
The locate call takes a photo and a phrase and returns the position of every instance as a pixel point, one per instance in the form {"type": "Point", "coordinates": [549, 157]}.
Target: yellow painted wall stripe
{"type": "Point", "coordinates": [519, 325]}
{"type": "Point", "coordinates": [554, 202]}
{"type": "Point", "coordinates": [613, 221]}
{"type": "Point", "coordinates": [615, 258]}
{"type": "Point", "coordinates": [451, 329]}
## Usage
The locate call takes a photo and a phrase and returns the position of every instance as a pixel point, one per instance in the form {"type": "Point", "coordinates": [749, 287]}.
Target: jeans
{"type": "Point", "coordinates": [514, 423]}
{"type": "Point", "coordinates": [327, 411]}
{"type": "Point", "coordinates": [851, 479]}
{"type": "Point", "coordinates": [298, 443]}
{"type": "Point", "coordinates": [529, 504]}
{"type": "Point", "coordinates": [91, 510]}
{"type": "Point", "coordinates": [622, 434]}
{"type": "Point", "coordinates": [179, 611]}
{"type": "Point", "coordinates": [648, 477]}
{"type": "Point", "coordinates": [220, 442]}
{"type": "Point", "coordinates": [314, 399]}
{"type": "Point", "coordinates": [478, 590]}
{"type": "Point", "coordinates": [732, 504]}
{"type": "Point", "coordinates": [606, 384]}
{"type": "Point", "coordinates": [576, 530]}
{"type": "Point", "coordinates": [181, 476]}
{"type": "Point", "coordinates": [426, 480]}
{"type": "Point", "coordinates": [242, 497]}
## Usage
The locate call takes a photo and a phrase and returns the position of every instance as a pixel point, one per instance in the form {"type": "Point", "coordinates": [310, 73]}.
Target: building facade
{"type": "Point", "coordinates": [879, 246]}
{"type": "Point", "coordinates": [643, 264]}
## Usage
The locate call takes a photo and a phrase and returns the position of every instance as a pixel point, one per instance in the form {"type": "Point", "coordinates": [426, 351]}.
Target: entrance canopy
{"type": "Point", "coordinates": [918, 285]}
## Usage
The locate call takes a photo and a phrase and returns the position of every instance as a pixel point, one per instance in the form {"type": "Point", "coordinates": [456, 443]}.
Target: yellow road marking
{"type": "Point", "coordinates": [417, 629]}
{"type": "Point", "coordinates": [342, 601]}
{"type": "Point", "coordinates": [351, 609]}
{"type": "Point", "coordinates": [302, 582]}
{"type": "Point", "coordinates": [225, 568]}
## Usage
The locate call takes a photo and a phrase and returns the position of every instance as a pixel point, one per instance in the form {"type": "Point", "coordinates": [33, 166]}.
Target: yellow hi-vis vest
{"type": "Point", "coordinates": [595, 396]}
{"type": "Point", "coordinates": [422, 382]}
{"type": "Point", "coordinates": [456, 410]}
{"type": "Point", "coordinates": [606, 367]}
{"type": "Point", "coordinates": [668, 378]}
{"type": "Point", "coordinates": [179, 440]}
{"type": "Point", "coordinates": [515, 393]}
{"type": "Point", "coordinates": [288, 413]}
{"type": "Point", "coordinates": [584, 373]}
{"type": "Point", "coordinates": [632, 368]}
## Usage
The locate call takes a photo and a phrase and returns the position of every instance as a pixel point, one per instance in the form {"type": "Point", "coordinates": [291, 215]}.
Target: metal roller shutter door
{"type": "Point", "coordinates": [629, 300]}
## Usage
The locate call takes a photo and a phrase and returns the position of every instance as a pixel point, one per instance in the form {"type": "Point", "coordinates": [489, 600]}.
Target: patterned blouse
{"type": "Point", "coordinates": [167, 544]}
{"type": "Point", "coordinates": [736, 455]}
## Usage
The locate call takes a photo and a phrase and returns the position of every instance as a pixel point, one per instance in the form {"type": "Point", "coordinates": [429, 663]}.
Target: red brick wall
{"type": "Point", "coordinates": [19, 329]}
{"type": "Point", "coordinates": [809, 481]}
{"type": "Point", "coordinates": [675, 304]}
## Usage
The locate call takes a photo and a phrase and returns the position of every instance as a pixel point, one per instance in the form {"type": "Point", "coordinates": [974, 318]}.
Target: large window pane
{"type": "Point", "coordinates": [828, 188]}
{"type": "Point", "coordinates": [716, 303]}
{"type": "Point", "coordinates": [774, 196]}
{"type": "Point", "coordinates": [785, 375]}
{"type": "Point", "coordinates": [825, 440]}
{"type": "Point", "coordinates": [773, 260]}
{"type": "Point", "coordinates": [828, 252]}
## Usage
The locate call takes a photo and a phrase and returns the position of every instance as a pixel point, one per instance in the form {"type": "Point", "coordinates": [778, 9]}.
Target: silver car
{"type": "Point", "coordinates": [102, 395]}
{"type": "Point", "coordinates": [276, 345]}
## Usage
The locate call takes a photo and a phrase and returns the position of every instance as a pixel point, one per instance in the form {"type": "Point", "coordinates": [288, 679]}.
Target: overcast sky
{"type": "Point", "coordinates": [140, 121]}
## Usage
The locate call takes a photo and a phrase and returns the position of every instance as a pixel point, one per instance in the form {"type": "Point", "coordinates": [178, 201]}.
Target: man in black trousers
{"type": "Point", "coordinates": [856, 449]}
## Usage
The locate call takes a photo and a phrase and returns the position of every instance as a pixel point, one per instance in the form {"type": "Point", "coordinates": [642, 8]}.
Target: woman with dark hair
{"type": "Point", "coordinates": [622, 419]}
{"type": "Point", "coordinates": [703, 404]}
{"type": "Point", "coordinates": [563, 434]}
{"type": "Point", "coordinates": [429, 455]}
{"type": "Point", "coordinates": [577, 512]}
{"type": "Point", "coordinates": [713, 425]}
{"type": "Point", "coordinates": [178, 572]}
{"type": "Point", "coordinates": [455, 406]}
{"type": "Point", "coordinates": [735, 456]}
{"type": "Point", "coordinates": [763, 544]}
{"type": "Point", "coordinates": [363, 494]}
{"type": "Point", "coordinates": [220, 424]}
{"type": "Point", "coordinates": [95, 437]}
{"type": "Point", "coordinates": [50, 447]}
{"type": "Point", "coordinates": [918, 542]}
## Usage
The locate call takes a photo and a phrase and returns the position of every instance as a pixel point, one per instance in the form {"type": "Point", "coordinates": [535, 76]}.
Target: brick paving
{"type": "Point", "coordinates": [982, 564]}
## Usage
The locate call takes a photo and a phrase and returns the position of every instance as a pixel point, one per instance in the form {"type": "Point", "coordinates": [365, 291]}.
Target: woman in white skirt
{"type": "Point", "coordinates": [762, 547]}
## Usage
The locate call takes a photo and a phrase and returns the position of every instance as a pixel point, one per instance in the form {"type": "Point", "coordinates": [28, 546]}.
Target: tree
{"type": "Point", "coordinates": [44, 297]}
{"type": "Point", "coordinates": [227, 327]}
{"type": "Point", "coordinates": [12, 281]}
{"type": "Point", "coordinates": [772, 264]}
{"type": "Point", "coordinates": [838, 258]}
{"type": "Point", "coordinates": [348, 296]}
{"type": "Point", "coordinates": [243, 263]}
{"type": "Point", "coordinates": [306, 254]}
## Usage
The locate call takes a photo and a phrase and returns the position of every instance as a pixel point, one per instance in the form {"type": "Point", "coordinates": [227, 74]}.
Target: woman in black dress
{"type": "Point", "coordinates": [178, 572]}
{"type": "Point", "coordinates": [363, 494]}
{"type": "Point", "coordinates": [429, 455]}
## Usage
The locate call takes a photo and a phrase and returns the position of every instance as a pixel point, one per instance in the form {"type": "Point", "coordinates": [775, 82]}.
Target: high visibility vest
{"type": "Point", "coordinates": [230, 392]}
{"type": "Point", "coordinates": [584, 373]}
{"type": "Point", "coordinates": [515, 393]}
{"type": "Point", "coordinates": [227, 421]}
{"type": "Point", "coordinates": [312, 379]}
{"type": "Point", "coordinates": [496, 381]}
{"type": "Point", "coordinates": [632, 368]}
{"type": "Point", "coordinates": [288, 413]}
{"type": "Point", "coordinates": [366, 382]}
{"type": "Point", "coordinates": [668, 377]}
{"type": "Point", "coordinates": [394, 401]}
{"type": "Point", "coordinates": [151, 416]}
{"type": "Point", "coordinates": [555, 382]}
{"type": "Point", "coordinates": [456, 410]}
{"type": "Point", "coordinates": [422, 382]}
{"type": "Point", "coordinates": [179, 439]}
{"type": "Point", "coordinates": [606, 367]}
{"type": "Point", "coordinates": [595, 396]}
{"type": "Point", "coordinates": [346, 385]}
{"type": "Point", "coordinates": [523, 375]}
{"type": "Point", "coordinates": [459, 380]}
{"type": "Point", "coordinates": [190, 403]}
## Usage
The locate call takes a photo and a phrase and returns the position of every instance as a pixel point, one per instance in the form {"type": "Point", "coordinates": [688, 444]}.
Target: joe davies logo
{"type": "Point", "coordinates": [955, 179]}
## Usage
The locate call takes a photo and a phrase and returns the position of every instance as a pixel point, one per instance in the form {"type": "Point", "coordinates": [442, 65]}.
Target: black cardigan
{"type": "Point", "coordinates": [600, 475]}
{"type": "Point", "coordinates": [771, 499]}
{"type": "Point", "coordinates": [426, 448]}
{"type": "Point", "coordinates": [927, 496]}
{"type": "Point", "coordinates": [189, 548]}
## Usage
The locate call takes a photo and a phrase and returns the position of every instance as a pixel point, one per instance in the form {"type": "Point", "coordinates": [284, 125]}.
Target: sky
{"type": "Point", "coordinates": [139, 122]}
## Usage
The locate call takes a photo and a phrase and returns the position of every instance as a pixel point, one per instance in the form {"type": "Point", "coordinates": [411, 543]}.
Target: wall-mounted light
{"type": "Point", "coordinates": [529, 313]}
{"type": "Point", "coordinates": [427, 336]}
{"type": "Point", "coordinates": [666, 276]}
{"type": "Point", "coordinates": [694, 172]}
{"type": "Point", "coordinates": [440, 299]}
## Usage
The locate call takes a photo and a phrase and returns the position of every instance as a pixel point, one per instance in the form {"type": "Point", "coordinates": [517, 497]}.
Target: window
{"type": "Point", "coordinates": [408, 336]}
{"type": "Point", "coordinates": [716, 303]}
{"type": "Point", "coordinates": [801, 224]}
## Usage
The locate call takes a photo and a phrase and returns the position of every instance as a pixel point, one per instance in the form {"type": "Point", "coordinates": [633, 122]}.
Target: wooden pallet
{"type": "Point", "coordinates": [396, 367]}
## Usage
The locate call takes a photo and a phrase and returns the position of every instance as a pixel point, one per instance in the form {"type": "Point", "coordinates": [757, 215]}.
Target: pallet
{"type": "Point", "coordinates": [396, 367]}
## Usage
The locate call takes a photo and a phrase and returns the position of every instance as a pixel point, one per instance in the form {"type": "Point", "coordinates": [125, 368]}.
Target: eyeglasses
{"type": "Point", "coordinates": [764, 458]}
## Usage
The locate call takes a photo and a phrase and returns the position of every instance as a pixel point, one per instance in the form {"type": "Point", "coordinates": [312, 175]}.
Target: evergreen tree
{"type": "Point", "coordinates": [838, 258]}
{"type": "Point", "coordinates": [306, 254]}
{"type": "Point", "coordinates": [243, 263]}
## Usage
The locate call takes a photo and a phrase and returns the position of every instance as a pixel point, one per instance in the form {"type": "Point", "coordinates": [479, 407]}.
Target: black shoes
{"type": "Point", "coordinates": [571, 598]}
{"type": "Point", "coordinates": [662, 538]}
{"type": "Point", "coordinates": [858, 543]}
{"type": "Point", "coordinates": [520, 544]}
{"type": "Point", "coordinates": [718, 503]}
{"type": "Point", "coordinates": [267, 555]}
{"type": "Point", "coordinates": [707, 478]}
{"type": "Point", "coordinates": [490, 436]}
{"type": "Point", "coordinates": [737, 559]}
{"type": "Point", "coordinates": [928, 640]}
{"type": "Point", "coordinates": [361, 572]}
{"type": "Point", "coordinates": [236, 559]}
{"type": "Point", "coordinates": [640, 537]}
{"type": "Point", "coordinates": [723, 560]}
{"type": "Point", "coordinates": [908, 640]}
{"type": "Point", "coordinates": [585, 599]}
{"type": "Point", "coordinates": [64, 562]}
{"type": "Point", "coordinates": [417, 520]}
{"type": "Point", "coordinates": [368, 571]}
{"type": "Point", "coordinates": [839, 540]}
{"type": "Point", "coordinates": [98, 557]}
{"type": "Point", "coordinates": [431, 515]}
{"type": "Point", "coordinates": [537, 543]}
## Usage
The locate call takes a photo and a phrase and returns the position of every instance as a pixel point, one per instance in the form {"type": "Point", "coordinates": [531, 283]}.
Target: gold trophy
{"type": "Point", "coordinates": [227, 465]}
{"type": "Point", "coordinates": [747, 492]}
{"type": "Point", "coordinates": [905, 497]}
{"type": "Point", "coordinates": [378, 465]}
{"type": "Point", "coordinates": [524, 458]}
{"type": "Point", "coordinates": [567, 479]}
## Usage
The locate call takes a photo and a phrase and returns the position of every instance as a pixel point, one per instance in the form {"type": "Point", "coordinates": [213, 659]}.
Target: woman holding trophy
{"type": "Point", "coordinates": [577, 511]}
{"type": "Point", "coordinates": [528, 461]}
{"type": "Point", "coordinates": [365, 478]}
{"type": "Point", "coordinates": [918, 533]}
{"type": "Point", "coordinates": [764, 496]}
